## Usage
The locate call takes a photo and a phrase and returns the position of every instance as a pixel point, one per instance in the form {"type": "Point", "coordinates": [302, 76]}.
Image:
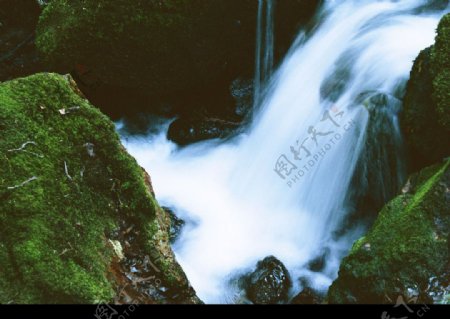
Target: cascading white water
{"type": "Point", "coordinates": [281, 188]}
{"type": "Point", "coordinates": [264, 57]}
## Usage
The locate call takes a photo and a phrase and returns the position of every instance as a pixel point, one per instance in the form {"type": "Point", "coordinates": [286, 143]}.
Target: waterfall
{"type": "Point", "coordinates": [327, 119]}
{"type": "Point", "coordinates": [264, 56]}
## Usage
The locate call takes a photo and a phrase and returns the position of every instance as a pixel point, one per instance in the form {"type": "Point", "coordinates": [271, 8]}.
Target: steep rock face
{"type": "Point", "coordinates": [426, 111]}
{"type": "Point", "coordinates": [406, 253]}
{"type": "Point", "coordinates": [79, 222]}
{"type": "Point", "coordinates": [184, 51]}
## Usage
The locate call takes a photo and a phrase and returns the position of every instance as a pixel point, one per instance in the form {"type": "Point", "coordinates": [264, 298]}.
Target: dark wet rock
{"type": "Point", "coordinates": [307, 297]}
{"type": "Point", "coordinates": [269, 283]}
{"type": "Point", "coordinates": [186, 131]}
{"type": "Point", "coordinates": [18, 54]}
{"type": "Point", "coordinates": [380, 171]}
{"type": "Point", "coordinates": [337, 81]}
{"type": "Point", "coordinates": [242, 92]}
{"type": "Point", "coordinates": [381, 167]}
{"type": "Point", "coordinates": [176, 225]}
{"type": "Point", "coordinates": [319, 263]}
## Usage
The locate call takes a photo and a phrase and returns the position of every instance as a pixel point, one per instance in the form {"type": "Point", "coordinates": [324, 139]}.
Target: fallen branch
{"type": "Point", "coordinates": [23, 184]}
{"type": "Point", "coordinates": [22, 149]}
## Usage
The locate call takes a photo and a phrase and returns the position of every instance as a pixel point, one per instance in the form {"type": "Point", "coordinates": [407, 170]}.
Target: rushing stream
{"type": "Point", "coordinates": [282, 187]}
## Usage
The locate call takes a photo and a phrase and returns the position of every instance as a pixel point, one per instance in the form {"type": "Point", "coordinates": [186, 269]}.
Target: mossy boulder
{"type": "Point", "coordinates": [426, 115]}
{"type": "Point", "coordinates": [78, 221]}
{"type": "Point", "coordinates": [186, 52]}
{"type": "Point", "coordinates": [160, 46]}
{"type": "Point", "coordinates": [406, 253]}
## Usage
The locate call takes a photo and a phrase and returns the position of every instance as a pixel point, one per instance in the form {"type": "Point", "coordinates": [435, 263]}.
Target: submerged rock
{"type": "Point", "coordinates": [319, 263]}
{"type": "Point", "coordinates": [381, 169]}
{"type": "Point", "coordinates": [79, 224]}
{"type": "Point", "coordinates": [269, 283]}
{"type": "Point", "coordinates": [186, 131]}
{"type": "Point", "coordinates": [406, 253]}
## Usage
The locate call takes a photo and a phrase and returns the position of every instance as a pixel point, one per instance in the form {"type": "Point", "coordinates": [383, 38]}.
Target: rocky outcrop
{"type": "Point", "coordinates": [179, 52]}
{"type": "Point", "coordinates": [78, 218]}
{"type": "Point", "coordinates": [269, 283]}
{"type": "Point", "coordinates": [406, 253]}
{"type": "Point", "coordinates": [426, 110]}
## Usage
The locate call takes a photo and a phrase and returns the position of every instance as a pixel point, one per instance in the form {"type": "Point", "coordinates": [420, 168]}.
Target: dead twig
{"type": "Point", "coordinates": [66, 170]}
{"type": "Point", "coordinates": [23, 184]}
{"type": "Point", "coordinates": [22, 149]}
{"type": "Point", "coordinates": [23, 146]}
{"type": "Point", "coordinates": [69, 110]}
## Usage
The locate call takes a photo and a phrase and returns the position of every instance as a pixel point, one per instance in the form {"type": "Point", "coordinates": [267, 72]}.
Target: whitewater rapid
{"type": "Point", "coordinates": [281, 188]}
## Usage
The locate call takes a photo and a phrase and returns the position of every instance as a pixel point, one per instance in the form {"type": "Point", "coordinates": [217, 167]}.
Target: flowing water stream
{"type": "Point", "coordinates": [282, 188]}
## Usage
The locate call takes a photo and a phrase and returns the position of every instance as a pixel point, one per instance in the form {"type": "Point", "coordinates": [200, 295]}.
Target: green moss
{"type": "Point", "coordinates": [358, 244]}
{"type": "Point", "coordinates": [55, 227]}
{"type": "Point", "coordinates": [426, 116]}
{"type": "Point", "coordinates": [160, 46]}
{"type": "Point", "coordinates": [406, 247]}
{"type": "Point", "coordinates": [441, 84]}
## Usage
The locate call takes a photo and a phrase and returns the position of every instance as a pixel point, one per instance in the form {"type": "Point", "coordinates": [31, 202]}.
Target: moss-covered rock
{"type": "Point", "coordinates": [76, 214]}
{"type": "Point", "coordinates": [441, 83]}
{"type": "Point", "coordinates": [426, 116]}
{"type": "Point", "coordinates": [161, 46]}
{"type": "Point", "coordinates": [407, 250]}
{"type": "Point", "coordinates": [169, 49]}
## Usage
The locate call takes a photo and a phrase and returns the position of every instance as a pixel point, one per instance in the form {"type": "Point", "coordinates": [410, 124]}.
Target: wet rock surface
{"type": "Point", "coordinates": [307, 297]}
{"type": "Point", "coordinates": [176, 225]}
{"type": "Point", "coordinates": [269, 283]}
{"type": "Point", "coordinates": [186, 131]}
